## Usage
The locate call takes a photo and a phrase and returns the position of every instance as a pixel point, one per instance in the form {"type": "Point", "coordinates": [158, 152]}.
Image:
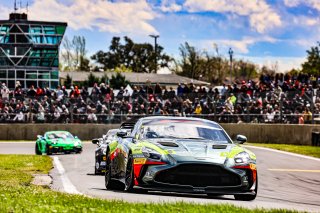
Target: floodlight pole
{"type": "Point", "coordinates": [155, 50]}
{"type": "Point", "coordinates": [230, 54]}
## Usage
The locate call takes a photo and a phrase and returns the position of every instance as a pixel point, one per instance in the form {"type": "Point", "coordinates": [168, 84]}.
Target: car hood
{"type": "Point", "coordinates": [198, 150]}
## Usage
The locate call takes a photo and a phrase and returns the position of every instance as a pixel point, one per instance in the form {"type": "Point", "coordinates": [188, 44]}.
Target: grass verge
{"type": "Point", "coordinates": [18, 195]}
{"type": "Point", "coordinates": [313, 151]}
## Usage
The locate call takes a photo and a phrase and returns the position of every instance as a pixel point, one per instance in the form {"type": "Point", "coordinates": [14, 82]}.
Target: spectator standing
{"type": "Point", "coordinates": [56, 115]}
{"type": "Point", "coordinates": [5, 92]}
{"type": "Point", "coordinates": [126, 95]}
{"type": "Point", "coordinates": [307, 116]}
{"type": "Point", "coordinates": [158, 90]}
{"type": "Point", "coordinates": [179, 90]}
{"type": "Point", "coordinates": [59, 94]}
{"type": "Point", "coordinates": [31, 92]}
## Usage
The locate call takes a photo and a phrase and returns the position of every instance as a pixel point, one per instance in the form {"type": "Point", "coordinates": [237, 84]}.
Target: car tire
{"type": "Point", "coordinates": [109, 183]}
{"type": "Point", "coordinates": [129, 177]}
{"type": "Point", "coordinates": [248, 197]}
{"type": "Point", "coordinates": [38, 152]}
{"type": "Point", "coordinates": [96, 170]}
{"type": "Point", "coordinates": [107, 174]}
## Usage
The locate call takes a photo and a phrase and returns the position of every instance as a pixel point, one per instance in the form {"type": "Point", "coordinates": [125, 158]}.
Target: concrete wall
{"type": "Point", "coordinates": [259, 133]}
{"type": "Point", "coordinates": [30, 131]}
{"type": "Point", "coordinates": [273, 133]}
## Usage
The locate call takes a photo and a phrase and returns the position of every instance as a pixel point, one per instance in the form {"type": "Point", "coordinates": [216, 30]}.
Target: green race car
{"type": "Point", "coordinates": [57, 142]}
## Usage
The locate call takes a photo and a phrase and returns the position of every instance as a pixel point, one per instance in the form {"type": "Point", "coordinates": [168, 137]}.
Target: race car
{"type": "Point", "coordinates": [102, 144]}
{"type": "Point", "coordinates": [57, 142]}
{"type": "Point", "coordinates": [100, 152]}
{"type": "Point", "coordinates": [178, 154]}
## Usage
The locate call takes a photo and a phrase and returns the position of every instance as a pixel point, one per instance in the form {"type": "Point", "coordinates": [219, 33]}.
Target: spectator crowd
{"type": "Point", "coordinates": [271, 99]}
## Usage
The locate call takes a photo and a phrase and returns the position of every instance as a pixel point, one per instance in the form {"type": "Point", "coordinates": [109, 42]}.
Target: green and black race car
{"type": "Point", "coordinates": [177, 154]}
{"type": "Point", "coordinates": [102, 144]}
{"type": "Point", "coordinates": [56, 142]}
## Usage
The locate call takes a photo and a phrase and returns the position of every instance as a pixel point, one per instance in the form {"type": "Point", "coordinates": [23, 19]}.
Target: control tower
{"type": "Point", "coordinates": [29, 51]}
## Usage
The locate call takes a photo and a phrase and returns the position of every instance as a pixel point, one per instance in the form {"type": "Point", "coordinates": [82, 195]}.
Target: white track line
{"type": "Point", "coordinates": [283, 152]}
{"type": "Point", "coordinates": [66, 183]}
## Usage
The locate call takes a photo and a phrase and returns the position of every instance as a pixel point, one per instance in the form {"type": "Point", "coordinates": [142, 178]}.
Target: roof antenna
{"type": "Point", "coordinates": [15, 6]}
{"type": "Point", "coordinates": [27, 7]}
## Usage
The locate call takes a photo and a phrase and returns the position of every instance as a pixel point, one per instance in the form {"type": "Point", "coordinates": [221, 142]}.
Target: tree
{"type": "Point", "coordinates": [68, 81]}
{"type": "Point", "coordinates": [195, 63]}
{"type": "Point", "coordinates": [244, 70]}
{"type": "Point", "coordinates": [92, 79]}
{"type": "Point", "coordinates": [312, 65]}
{"type": "Point", "coordinates": [66, 53]}
{"type": "Point", "coordinates": [81, 62]}
{"type": "Point", "coordinates": [104, 79]}
{"type": "Point", "coordinates": [212, 68]}
{"type": "Point", "coordinates": [117, 81]}
{"type": "Point", "coordinates": [74, 54]}
{"type": "Point", "coordinates": [190, 62]}
{"type": "Point", "coordinates": [138, 57]}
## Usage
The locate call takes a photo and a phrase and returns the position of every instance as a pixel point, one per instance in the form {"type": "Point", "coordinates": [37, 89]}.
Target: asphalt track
{"type": "Point", "coordinates": [285, 181]}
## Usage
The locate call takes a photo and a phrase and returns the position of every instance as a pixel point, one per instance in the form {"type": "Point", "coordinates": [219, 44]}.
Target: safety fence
{"type": "Point", "coordinates": [269, 118]}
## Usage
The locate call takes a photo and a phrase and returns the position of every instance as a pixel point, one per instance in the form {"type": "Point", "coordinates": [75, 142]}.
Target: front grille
{"type": "Point", "coordinates": [198, 175]}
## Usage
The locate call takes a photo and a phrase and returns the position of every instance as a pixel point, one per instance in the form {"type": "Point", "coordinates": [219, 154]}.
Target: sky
{"type": "Point", "coordinates": [266, 32]}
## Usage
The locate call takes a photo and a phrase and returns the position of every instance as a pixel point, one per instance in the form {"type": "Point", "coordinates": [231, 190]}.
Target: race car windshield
{"type": "Point", "coordinates": [184, 130]}
{"type": "Point", "coordinates": [63, 135]}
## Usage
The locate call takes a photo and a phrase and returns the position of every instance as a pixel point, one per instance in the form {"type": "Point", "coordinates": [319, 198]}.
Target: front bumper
{"type": "Point", "coordinates": [195, 190]}
{"type": "Point", "coordinates": [59, 149]}
{"type": "Point", "coordinates": [102, 164]}
{"type": "Point", "coordinates": [195, 178]}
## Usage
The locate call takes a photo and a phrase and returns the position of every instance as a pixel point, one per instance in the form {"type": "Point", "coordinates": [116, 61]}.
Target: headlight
{"type": "Point", "coordinates": [242, 157]}
{"type": "Point", "coordinates": [151, 153]}
{"type": "Point", "coordinates": [77, 143]}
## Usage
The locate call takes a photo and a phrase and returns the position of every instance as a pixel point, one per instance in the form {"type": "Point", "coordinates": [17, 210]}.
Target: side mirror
{"type": "Point", "coordinates": [241, 139]}
{"type": "Point", "coordinates": [39, 137]}
{"type": "Point", "coordinates": [121, 134]}
{"type": "Point", "coordinates": [95, 141]}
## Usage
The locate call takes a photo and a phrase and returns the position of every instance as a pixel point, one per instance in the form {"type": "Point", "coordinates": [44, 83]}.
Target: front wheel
{"type": "Point", "coordinates": [109, 183]}
{"type": "Point", "coordinates": [96, 168]}
{"type": "Point", "coordinates": [129, 178]}
{"type": "Point", "coordinates": [248, 197]}
{"type": "Point", "coordinates": [37, 150]}
{"type": "Point", "coordinates": [107, 176]}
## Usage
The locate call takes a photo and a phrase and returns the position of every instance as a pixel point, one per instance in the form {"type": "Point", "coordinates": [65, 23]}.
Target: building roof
{"type": "Point", "coordinates": [22, 18]}
{"type": "Point", "coordinates": [136, 78]}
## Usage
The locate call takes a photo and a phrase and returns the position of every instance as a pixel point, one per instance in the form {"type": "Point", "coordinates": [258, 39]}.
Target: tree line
{"type": "Point", "coordinates": [125, 55]}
